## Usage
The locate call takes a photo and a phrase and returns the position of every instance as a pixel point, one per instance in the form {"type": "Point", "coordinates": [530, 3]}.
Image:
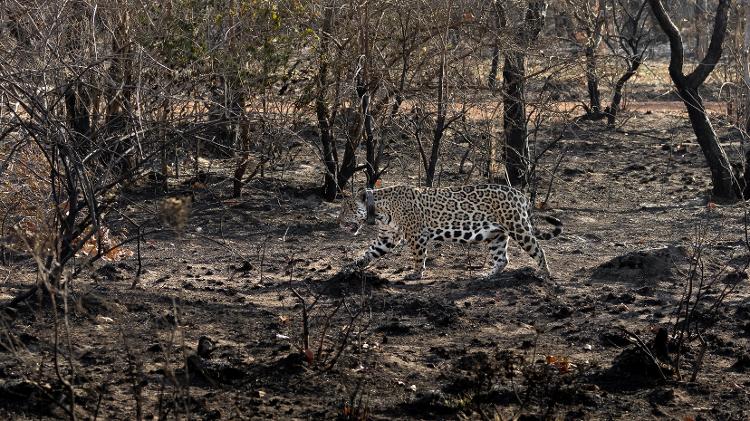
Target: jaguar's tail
{"type": "Point", "coordinates": [548, 235]}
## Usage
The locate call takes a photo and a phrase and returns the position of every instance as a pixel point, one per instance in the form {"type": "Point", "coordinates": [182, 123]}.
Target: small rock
{"type": "Point", "coordinates": [213, 414]}
{"type": "Point", "coordinates": [156, 347]}
{"type": "Point", "coordinates": [635, 167]}
{"type": "Point", "coordinates": [662, 396]}
{"type": "Point", "coordinates": [573, 171]}
{"type": "Point", "coordinates": [624, 298]}
{"type": "Point", "coordinates": [621, 308]}
{"type": "Point", "coordinates": [562, 312]}
{"type": "Point", "coordinates": [170, 319]}
{"type": "Point", "coordinates": [205, 347]}
{"type": "Point", "coordinates": [743, 363]}
{"type": "Point", "coordinates": [647, 291]}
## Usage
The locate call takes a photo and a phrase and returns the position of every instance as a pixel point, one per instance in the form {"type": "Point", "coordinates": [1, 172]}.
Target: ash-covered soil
{"type": "Point", "coordinates": [214, 326]}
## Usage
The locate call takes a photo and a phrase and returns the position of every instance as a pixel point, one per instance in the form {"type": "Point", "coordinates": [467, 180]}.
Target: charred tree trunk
{"type": "Point", "coordinates": [373, 153]}
{"type": "Point", "coordinates": [499, 23]}
{"type": "Point", "coordinates": [119, 106]}
{"type": "Point", "coordinates": [439, 124]}
{"type": "Point", "coordinates": [348, 164]}
{"type": "Point", "coordinates": [121, 72]}
{"type": "Point", "coordinates": [517, 158]}
{"type": "Point", "coordinates": [364, 118]}
{"type": "Point", "coordinates": [406, 50]}
{"type": "Point", "coordinates": [399, 98]}
{"type": "Point", "coordinates": [725, 185]}
{"type": "Point", "coordinates": [79, 119]}
{"type": "Point", "coordinates": [592, 20]}
{"type": "Point", "coordinates": [722, 175]}
{"type": "Point", "coordinates": [592, 80]}
{"type": "Point", "coordinates": [614, 107]}
{"type": "Point", "coordinates": [514, 119]}
{"type": "Point", "coordinates": [244, 160]}
{"type": "Point", "coordinates": [492, 78]}
{"type": "Point", "coordinates": [633, 43]}
{"type": "Point", "coordinates": [699, 22]}
{"type": "Point", "coordinates": [327, 142]}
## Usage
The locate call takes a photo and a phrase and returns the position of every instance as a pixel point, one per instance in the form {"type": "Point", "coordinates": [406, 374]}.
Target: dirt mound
{"type": "Point", "coordinates": [642, 265]}
{"type": "Point", "coordinates": [345, 282]}
{"type": "Point", "coordinates": [437, 311]}
{"type": "Point", "coordinates": [638, 366]}
{"type": "Point", "coordinates": [42, 399]}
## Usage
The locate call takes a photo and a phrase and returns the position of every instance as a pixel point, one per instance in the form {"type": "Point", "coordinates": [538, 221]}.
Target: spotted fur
{"type": "Point", "coordinates": [469, 214]}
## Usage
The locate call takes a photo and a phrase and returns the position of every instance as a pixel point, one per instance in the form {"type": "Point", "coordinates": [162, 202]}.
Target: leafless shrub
{"type": "Point", "coordinates": [328, 328]}
{"type": "Point", "coordinates": [707, 287]}
{"type": "Point", "coordinates": [355, 407]}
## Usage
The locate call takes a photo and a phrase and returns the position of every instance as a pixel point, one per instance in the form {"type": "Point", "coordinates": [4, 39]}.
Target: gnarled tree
{"type": "Point", "coordinates": [725, 183]}
{"type": "Point", "coordinates": [631, 39]}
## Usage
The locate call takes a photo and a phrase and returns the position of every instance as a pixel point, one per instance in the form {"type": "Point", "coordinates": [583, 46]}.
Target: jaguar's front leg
{"type": "Point", "coordinates": [380, 247]}
{"type": "Point", "coordinates": [419, 252]}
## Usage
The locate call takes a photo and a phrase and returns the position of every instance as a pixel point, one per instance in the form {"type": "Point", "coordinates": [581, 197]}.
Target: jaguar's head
{"type": "Point", "coordinates": [353, 212]}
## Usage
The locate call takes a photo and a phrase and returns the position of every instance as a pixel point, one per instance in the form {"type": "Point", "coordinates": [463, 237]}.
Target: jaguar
{"type": "Point", "coordinates": [488, 213]}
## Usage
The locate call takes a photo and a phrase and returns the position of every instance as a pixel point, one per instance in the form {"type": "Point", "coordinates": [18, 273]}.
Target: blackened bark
{"type": "Point", "coordinates": [225, 114]}
{"type": "Point", "coordinates": [348, 164]}
{"type": "Point", "coordinates": [368, 88]}
{"type": "Point", "coordinates": [699, 21]}
{"type": "Point", "coordinates": [119, 106]}
{"type": "Point", "coordinates": [614, 107]}
{"type": "Point", "coordinates": [592, 81]}
{"type": "Point", "coordinates": [399, 97]}
{"type": "Point", "coordinates": [517, 161]}
{"type": "Point", "coordinates": [725, 185]}
{"type": "Point", "coordinates": [239, 174]}
{"type": "Point", "coordinates": [499, 23]}
{"type": "Point", "coordinates": [121, 72]}
{"type": "Point", "coordinates": [79, 118]}
{"type": "Point", "coordinates": [439, 125]}
{"type": "Point", "coordinates": [405, 57]}
{"type": "Point", "coordinates": [514, 119]}
{"type": "Point", "coordinates": [492, 78]}
{"type": "Point", "coordinates": [373, 155]}
{"type": "Point", "coordinates": [631, 42]}
{"type": "Point", "coordinates": [244, 160]}
{"type": "Point", "coordinates": [330, 187]}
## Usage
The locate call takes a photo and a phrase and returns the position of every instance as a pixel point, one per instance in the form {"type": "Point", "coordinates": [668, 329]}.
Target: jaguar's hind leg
{"type": "Point", "coordinates": [499, 253]}
{"type": "Point", "coordinates": [529, 243]}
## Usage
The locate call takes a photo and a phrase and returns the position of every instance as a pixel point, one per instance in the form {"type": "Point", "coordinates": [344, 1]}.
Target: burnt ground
{"type": "Point", "coordinates": [455, 344]}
